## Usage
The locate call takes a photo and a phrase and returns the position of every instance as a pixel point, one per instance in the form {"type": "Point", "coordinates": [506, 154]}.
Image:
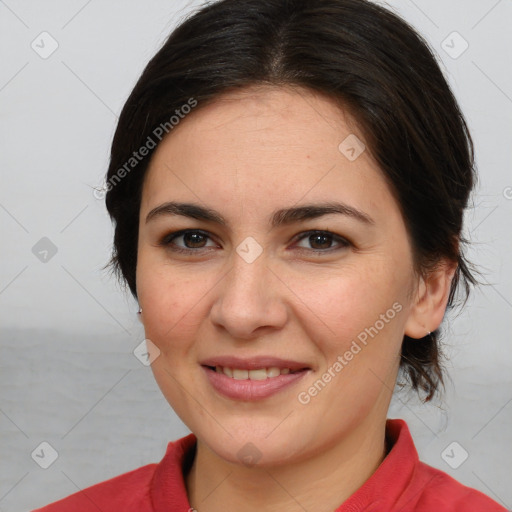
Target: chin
{"type": "Point", "coordinates": [254, 452]}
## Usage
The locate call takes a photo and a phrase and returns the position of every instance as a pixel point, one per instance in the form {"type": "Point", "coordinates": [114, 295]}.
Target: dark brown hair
{"type": "Point", "coordinates": [360, 55]}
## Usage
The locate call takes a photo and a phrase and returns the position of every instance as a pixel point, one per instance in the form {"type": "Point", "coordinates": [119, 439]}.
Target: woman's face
{"type": "Point", "coordinates": [260, 289]}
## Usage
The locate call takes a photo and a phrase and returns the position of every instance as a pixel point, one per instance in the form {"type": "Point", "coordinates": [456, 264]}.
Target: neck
{"type": "Point", "coordinates": [321, 483]}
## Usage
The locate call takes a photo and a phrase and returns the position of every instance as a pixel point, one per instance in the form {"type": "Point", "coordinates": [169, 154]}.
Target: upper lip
{"type": "Point", "coordinates": [253, 363]}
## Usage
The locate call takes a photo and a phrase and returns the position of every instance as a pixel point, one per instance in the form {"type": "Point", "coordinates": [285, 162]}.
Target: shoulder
{"type": "Point", "coordinates": [443, 493]}
{"type": "Point", "coordinates": [139, 490]}
{"type": "Point", "coordinates": [412, 485]}
{"type": "Point", "coordinates": [129, 492]}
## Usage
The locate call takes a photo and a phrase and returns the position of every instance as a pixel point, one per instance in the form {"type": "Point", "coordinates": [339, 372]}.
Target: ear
{"type": "Point", "coordinates": [431, 298]}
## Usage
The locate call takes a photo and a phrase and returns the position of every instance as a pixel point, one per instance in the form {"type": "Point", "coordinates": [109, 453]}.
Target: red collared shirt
{"type": "Point", "coordinates": [401, 483]}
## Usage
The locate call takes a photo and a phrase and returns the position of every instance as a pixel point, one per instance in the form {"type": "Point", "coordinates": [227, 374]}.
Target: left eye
{"type": "Point", "coordinates": [322, 240]}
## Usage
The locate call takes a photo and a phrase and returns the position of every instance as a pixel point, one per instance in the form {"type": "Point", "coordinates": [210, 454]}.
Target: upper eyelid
{"type": "Point", "coordinates": [168, 238]}
{"type": "Point", "coordinates": [304, 234]}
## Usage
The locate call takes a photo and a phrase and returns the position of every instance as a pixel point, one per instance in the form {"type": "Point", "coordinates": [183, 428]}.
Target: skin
{"type": "Point", "coordinates": [246, 155]}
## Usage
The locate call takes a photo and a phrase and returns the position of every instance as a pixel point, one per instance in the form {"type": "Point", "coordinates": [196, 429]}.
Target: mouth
{"type": "Point", "coordinates": [252, 379]}
{"type": "Point", "coordinates": [256, 374]}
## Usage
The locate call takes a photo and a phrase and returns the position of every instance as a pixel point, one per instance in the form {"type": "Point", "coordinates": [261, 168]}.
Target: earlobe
{"type": "Point", "coordinates": [431, 299]}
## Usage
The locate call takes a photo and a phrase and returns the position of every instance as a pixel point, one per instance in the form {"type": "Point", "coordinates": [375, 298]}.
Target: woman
{"type": "Point", "coordinates": [288, 181]}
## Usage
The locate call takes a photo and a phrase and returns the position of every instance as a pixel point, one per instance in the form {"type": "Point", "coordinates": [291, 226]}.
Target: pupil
{"type": "Point", "coordinates": [193, 239]}
{"type": "Point", "coordinates": [326, 239]}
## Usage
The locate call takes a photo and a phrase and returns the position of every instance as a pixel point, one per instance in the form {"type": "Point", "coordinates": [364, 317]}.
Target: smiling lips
{"type": "Point", "coordinates": [258, 374]}
{"type": "Point", "coordinates": [252, 379]}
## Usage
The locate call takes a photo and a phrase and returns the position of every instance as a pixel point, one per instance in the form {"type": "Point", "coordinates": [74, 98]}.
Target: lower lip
{"type": "Point", "coordinates": [251, 389]}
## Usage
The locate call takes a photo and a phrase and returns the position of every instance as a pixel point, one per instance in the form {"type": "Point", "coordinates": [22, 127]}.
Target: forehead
{"type": "Point", "coordinates": [269, 114]}
{"type": "Point", "coordinates": [270, 144]}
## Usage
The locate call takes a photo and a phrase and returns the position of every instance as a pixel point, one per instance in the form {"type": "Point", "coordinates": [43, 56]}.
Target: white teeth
{"type": "Point", "coordinates": [258, 374]}
{"type": "Point", "coordinates": [240, 374]}
{"type": "Point", "coordinates": [274, 371]}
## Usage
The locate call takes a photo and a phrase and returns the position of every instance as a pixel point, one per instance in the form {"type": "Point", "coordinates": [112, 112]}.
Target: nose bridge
{"type": "Point", "coordinates": [249, 263]}
{"type": "Point", "coordinates": [247, 298]}
{"type": "Point", "coordinates": [247, 276]}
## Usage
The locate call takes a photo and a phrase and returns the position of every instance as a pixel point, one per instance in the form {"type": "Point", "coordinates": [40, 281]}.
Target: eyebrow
{"type": "Point", "coordinates": [280, 217]}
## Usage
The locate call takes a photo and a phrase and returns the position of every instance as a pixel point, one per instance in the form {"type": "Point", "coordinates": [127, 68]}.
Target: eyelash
{"type": "Point", "coordinates": [168, 239]}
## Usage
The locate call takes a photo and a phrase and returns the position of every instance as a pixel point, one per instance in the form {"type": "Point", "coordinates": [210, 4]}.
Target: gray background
{"type": "Point", "coordinates": [68, 375]}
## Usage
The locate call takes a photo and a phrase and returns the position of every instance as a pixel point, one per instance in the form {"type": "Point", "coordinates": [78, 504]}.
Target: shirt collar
{"type": "Point", "coordinates": [381, 491]}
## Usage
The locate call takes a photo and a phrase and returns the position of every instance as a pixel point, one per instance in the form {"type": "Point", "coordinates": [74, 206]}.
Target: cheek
{"type": "Point", "coordinates": [357, 325]}
{"type": "Point", "coordinates": [172, 301]}
{"type": "Point", "coordinates": [346, 302]}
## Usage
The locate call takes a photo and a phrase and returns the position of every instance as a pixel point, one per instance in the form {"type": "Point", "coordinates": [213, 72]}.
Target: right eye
{"type": "Point", "coordinates": [192, 239]}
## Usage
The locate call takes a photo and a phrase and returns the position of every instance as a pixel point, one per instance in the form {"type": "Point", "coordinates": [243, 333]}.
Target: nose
{"type": "Point", "coordinates": [250, 300]}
